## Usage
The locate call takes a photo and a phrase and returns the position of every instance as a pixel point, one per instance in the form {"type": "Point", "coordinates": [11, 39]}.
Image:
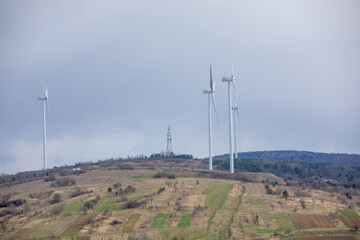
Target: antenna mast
{"type": "Point", "coordinates": [169, 151]}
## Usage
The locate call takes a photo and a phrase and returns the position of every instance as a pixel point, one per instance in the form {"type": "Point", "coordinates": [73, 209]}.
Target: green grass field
{"type": "Point", "coordinates": [161, 220]}
{"type": "Point", "coordinates": [73, 208]}
{"type": "Point", "coordinates": [190, 233]}
{"type": "Point", "coordinates": [284, 222]}
{"type": "Point", "coordinates": [184, 221]}
{"type": "Point", "coordinates": [142, 176]}
{"type": "Point", "coordinates": [107, 205]}
{"type": "Point", "coordinates": [214, 198]}
{"type": "Point", "coordinates": [349, 213]}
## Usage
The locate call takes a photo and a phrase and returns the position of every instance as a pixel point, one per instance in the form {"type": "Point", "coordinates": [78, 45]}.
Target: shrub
{"type": "Point", "coordinates": [78, 192]}
{"type": "Point", "coordinates": [198, 208]}
{"type": "Point", "coordinates": [109, 189]}
{"type": "Point", "coordinates": [49, 178]}
{"type": "Point", "coordinates": [57, 210]}
{"type": "Point", "coordinates": [129, 189]}
{"type": "Point", "coordinates": [286, 195]}
{"type": "Point", "coordinates": [16, 202]}
{"type": "Point", "coordinates": [56, 198]}
{"type": "Point", "coordinates": [161, 190]}
{"type": "Point", "coordinates": [115, 222]}
{"type": "Point", "coordinates": [269, 191]}
{"type": "Point", "coordinates": [164, 174]}
{"type": "Point", "coordinates": [348, 195]}
{"type": "Point", "coordinates": [302, 203]}
{"type": "Point", "coordinates": [300, 193]}
{"type": "Point", "coordinates": [117, 185]}
{"type": "Point", "coordinates": [91, 203]}
{"type": "Point", "coordinates": [132, 204]}
{"type": "Point", "coordinates": [63, 182]}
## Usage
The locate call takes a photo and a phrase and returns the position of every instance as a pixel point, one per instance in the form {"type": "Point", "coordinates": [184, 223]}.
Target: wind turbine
{"type": "Point", "coordinates": [229, 81]}
{"type": "Point", "coordinates": [44, 99]}
{"type": "Point", "coordinates": [211, 97]}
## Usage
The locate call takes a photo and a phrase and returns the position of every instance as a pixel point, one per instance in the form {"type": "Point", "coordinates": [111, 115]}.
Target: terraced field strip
{"type": "Point", "coordinates": [161, 220]}
{"type": "Point", "coordinates": [236, 210]}
{"type": "Point", "coordinates": [185, 220]}
{"type": "Point", "coordinates": [78, 224]}
{"type": "Point", "coordinates": [129, 225]}
{"type": "Point", "coordinates": [57, 238]}
{"type": "Point", "coordinates": [332, 235]}
{"type": "Point", "coordinates": [109, 204]}
{"type": "Point", "coordinates": [19, 233]}
{"type": "Point", "coordinates": [311, 221]}
{"type": "Point", "coordinates": [206, 191]}
{"type": "Point", "coordinates": [351, 221]}
{"type": "Point", "coordinates": [216, 198]}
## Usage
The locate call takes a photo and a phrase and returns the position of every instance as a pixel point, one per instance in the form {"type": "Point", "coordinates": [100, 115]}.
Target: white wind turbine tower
{"type": "Point", "coordinates": [211, 97]}
{"type": "Point", "coordinates": [229, 81]}
{"type": "Point", "coordinates": [44, 99]}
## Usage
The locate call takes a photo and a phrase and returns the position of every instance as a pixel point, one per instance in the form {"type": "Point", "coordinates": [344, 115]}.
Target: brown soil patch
{"type": "Point", "coordinates": [78, 224]}
{"type": "Point", "coordinates": [19, 233]}
{"type": "Point", "coordinates": [351, 221]}
{"type": "Point", "coordinates": [311, 221]}
{"type": "Point", "coordinates": [207, 191]}
{"type": "Point", "coordinates": [325, 238]}
{"type": "Point", "coordinates": [59, 238]}
{"type": "Point", "coordinates": [129, 226]}
{"type": "Point", "coordinates": [338, 235]}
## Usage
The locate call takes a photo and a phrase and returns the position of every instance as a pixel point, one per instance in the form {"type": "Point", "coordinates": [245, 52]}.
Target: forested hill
{"type": "Point", "coordinates": [300, 156]}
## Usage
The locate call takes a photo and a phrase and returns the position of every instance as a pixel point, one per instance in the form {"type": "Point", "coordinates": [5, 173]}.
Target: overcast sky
{"type": "Point", "coordinates": [119, 72]}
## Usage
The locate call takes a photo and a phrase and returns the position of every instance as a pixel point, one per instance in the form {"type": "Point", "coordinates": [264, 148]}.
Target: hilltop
{"type": "Point", "coordinates": [300, 156]}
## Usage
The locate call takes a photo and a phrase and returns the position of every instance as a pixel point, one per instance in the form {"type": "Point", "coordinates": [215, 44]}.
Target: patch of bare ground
{"type": "Point", "coordinates": [119, 236]}
{"type": "Point", "coordinates": [311, 221]}
{"type": "Point", "coordinates": [57, 238]}
{"type": "Point", "coordinates": [78, 224]}
{"type": "Point", "coordinates": [351, 221]}
{"type": "Point", "coordinates": [331, 235]}
{"type": "Point", "coordinates": [64, 225]}
{"type": "Point", "coordinates": [19, 233]}
{"type": "Point", "coordinates": [207, 191]}
{"type": "Point", "coordinates": [129, 226]}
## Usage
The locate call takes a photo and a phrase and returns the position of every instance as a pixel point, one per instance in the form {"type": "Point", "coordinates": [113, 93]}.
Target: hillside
{"type": "Point", "coordinates": [300, 156]}
{"type": "Point", "coordinates": [172, 199]}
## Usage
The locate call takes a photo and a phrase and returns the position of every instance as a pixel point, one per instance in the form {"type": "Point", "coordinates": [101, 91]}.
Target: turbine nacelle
{"type": "Point", "coordinates": [230, 79]}
{"type": "Point", "coordinates": [208, 91]}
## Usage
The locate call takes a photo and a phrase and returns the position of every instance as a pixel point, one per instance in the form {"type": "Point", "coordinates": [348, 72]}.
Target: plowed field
{"type": "Point", "coordinates": [311, 221]}
{"type": "Point", "coordinates": [129, 226]}
{"type": "Point", "coordinates": [78, 224]}
{"type": "Point", "coordinates": [351, 222]}
{"type": "Point", "coordinates": [19, 233]}
{"type": "Point", "coordinates": [338, 235]}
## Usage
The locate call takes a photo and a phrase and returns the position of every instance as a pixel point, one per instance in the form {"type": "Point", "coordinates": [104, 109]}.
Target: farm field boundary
{"type": "Point", "coordinates": [311, 221]}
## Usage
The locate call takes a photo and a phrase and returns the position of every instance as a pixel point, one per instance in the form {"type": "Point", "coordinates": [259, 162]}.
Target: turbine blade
{"type": "Point", "coordinates": [213, 99]}
{"type": "Point", "coordinates": [235, 89]}
{"type": "Point", "coordinates": [43, 84]}
{"type": "Point", "coordinates": [237, 112]}
{"type": "Point", "coordinates": [211, 80]}
{"type": "Point", "coordinates": [48, 107]}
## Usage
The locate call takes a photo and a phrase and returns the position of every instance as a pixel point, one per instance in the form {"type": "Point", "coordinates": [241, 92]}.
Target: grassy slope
{"type": "Point", "coordinates": [184, 221]}
{"type": "Point", "coordinates": [107, 205]}
{"type": "Point", "coordinates": [161, 220]}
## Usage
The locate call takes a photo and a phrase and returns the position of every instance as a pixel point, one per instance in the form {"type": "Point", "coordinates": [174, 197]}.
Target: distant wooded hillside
{"type": "Point", "coordinates": [300, 156]}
